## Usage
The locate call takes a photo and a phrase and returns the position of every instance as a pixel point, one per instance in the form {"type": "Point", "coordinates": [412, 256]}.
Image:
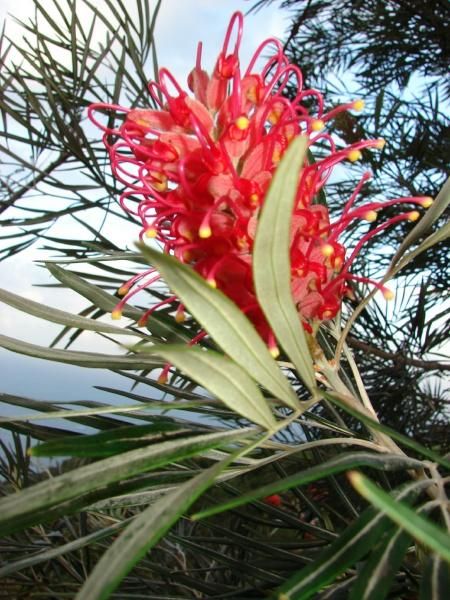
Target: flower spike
{"type": "Point", "coordinates": [201, 163]}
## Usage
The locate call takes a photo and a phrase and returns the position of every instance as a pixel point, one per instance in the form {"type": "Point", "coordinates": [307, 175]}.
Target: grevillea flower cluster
{"type": "Point", "coordinates": [198, 166]}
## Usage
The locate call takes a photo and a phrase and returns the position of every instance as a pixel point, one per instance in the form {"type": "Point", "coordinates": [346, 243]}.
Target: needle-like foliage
{"type": "Point", "coordinates": [236, 475]}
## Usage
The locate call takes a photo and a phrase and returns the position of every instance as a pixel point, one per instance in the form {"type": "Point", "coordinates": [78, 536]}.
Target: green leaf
{"type": "Point", "coordinates": [92, 417]}
{"type": "Point", "coordinates": [21, 509]}
{"type": "Point", "coordinates": [51, 554]}
{"type": "Point", "coordinates": [438, 236]}
{"type": "Point", "coordinates": [222, 377]}
{"type": "Point", "coordinates": [349, 548]}
{"type": "Point", "coordinates": [271, 261]}
{"type": "Point", "coordinates": [399, 437]}
{"type": "Point", "coordinates": [374, 580]}
{"type": "Point", "coordinates": [435, 582]}
{"type": "Point", "coordinates": [142, 534]}
{"type": "Point", "coordinates": [107, 302]}
{"type": "Point", "coordinates": [91, 360]}
{"type": "Point", "coordinates": [433, 213]}
{"type": "Point", "coordinates": [55, 315]}
{"type": "Point", "coordinates": [421, 528]}
{"type": "Point", "coordinates": [351, 545]}
{"type": "Point", "coordinates": [385, 462]}
{"type": "Point", "coordinates": [225, 323]}
{"type": "Point", "coordinates": [111, 442]}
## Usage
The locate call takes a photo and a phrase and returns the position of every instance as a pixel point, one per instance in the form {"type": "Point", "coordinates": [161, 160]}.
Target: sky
{"type": "Point", "coordinates": [180, 25]}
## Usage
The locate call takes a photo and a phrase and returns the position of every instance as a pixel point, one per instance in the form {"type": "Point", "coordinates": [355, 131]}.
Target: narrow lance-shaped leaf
{"type": "Point", "coordinates": [386, 462]}
{"type": "Point", "coordinates": [421, 528]}
{"type": "Point", "coordinates": [56, 315]}
{"type": "Point", "coordinates": [226, 324]}
{"type": "Point", "coordinates": [271, 261]}
{"type": "Point", "coordinates": [222, 377]}
{"type": "Point", "coordinates": [107, 302]}
{"type": "Point", "coordinates": [373, 581]}
{"type": "Point", "coordinates": [111, 442]}
{"type": "Point", "coordinates": [93, 360]}
{"type": "Point", "coordinates": [399, 437]}
{"type": "Point", "coordinates": [435, 582]}
{"type": "Point", "coordinates": [36, 499]}
{"type": "Point", "coordinates": [435, 238]}
{"type": "Point", "coordinates": [142, 534]}
{"type": "Point", "coordinates": [432, 214]}
{"type": "Point", "coordinates": [351, 545]}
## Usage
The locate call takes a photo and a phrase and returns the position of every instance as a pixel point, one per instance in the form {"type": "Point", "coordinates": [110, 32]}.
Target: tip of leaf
{"type": "Point", "coordinates": [355, 479]}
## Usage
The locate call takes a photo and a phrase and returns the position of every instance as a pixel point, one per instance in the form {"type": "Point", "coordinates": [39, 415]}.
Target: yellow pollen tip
{"type": "Point", "coordinates": [162, 379]}
{"type": "Point", "coordinates": [327, 314]}
{"type": "Point", "coordinates": [273, 118]}
{"type": "Point", "coordinates": [354, 155]}
{"type": "Point", "coordinates": [123, 290]}
{"type": "Point", "coordinates": [274, 351]}
{"type": "Point", "coordinates": [211, 282]}
{"type": "Point", "coordinates": [242, 123]}
{"type": "Point", "coordinates": [426, 202]}
{"type": "Point", "coordinates": [327, 250]}
{"type": "Point", "coordinates": [188, 234]}
{"type": "Point", "coordinates": [358, 105]}
{"type": "Point", "coordinates": [116, 314]}
{"type": "Point", "coordinates": [370, 216]}
{"type": "Point", "coordinates": [338, 263]}
{"type": "Point", "coordinates": [151, 233]}
{"type": "Point", "coordinates": [180, 317]}
{"type": "Point", "coordinates": [276, 156]}
{"type": "Point", "coordinates": [413, 215]}
{"type": "Point", "coordinates": [254, 198]}
{"type": "Point", "coordinates": [380, 144]}
{"type": "Point", "coordinates": [159, 186]}
{"type": "Point", "coordinates": [388, 294]}
{"type": "Point", "coordinates": [317, 125]}
{"type": "Point", "coordinates": [205, 231]}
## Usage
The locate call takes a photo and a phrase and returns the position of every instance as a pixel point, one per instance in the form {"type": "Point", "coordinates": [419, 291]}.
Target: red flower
{"type": "Point", "coordinates": [274, 500]}
{"type": "Point", "coordinates": [200, 165]}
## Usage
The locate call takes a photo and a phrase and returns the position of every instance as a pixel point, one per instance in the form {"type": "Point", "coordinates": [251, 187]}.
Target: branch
{"type": "Point", "coordinates": [397, 358]}
{"type": "Point", "coordinates": [33, 183]}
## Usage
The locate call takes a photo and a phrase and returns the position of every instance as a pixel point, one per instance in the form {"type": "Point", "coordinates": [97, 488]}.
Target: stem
{"type": "Point", "coordinates": [329, 370]}
{"type": "Point", "coordinates": [428, 365]}
{"type": "Point", "coordinates": [43, 174]}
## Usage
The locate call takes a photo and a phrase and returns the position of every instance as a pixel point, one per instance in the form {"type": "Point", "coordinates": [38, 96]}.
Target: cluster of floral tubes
{"type": "Point", "coordinates": [197, 168]}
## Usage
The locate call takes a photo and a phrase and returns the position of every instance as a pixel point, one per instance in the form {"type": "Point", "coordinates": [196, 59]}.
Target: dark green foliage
{"type": "Point", "coordinates": [394, 55]}
{"type": "Point", "coordinates": [50, 166]}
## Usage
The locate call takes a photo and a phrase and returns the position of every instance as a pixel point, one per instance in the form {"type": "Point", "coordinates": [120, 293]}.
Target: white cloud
{"type": "Point", "coordinates": [181, 26]}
